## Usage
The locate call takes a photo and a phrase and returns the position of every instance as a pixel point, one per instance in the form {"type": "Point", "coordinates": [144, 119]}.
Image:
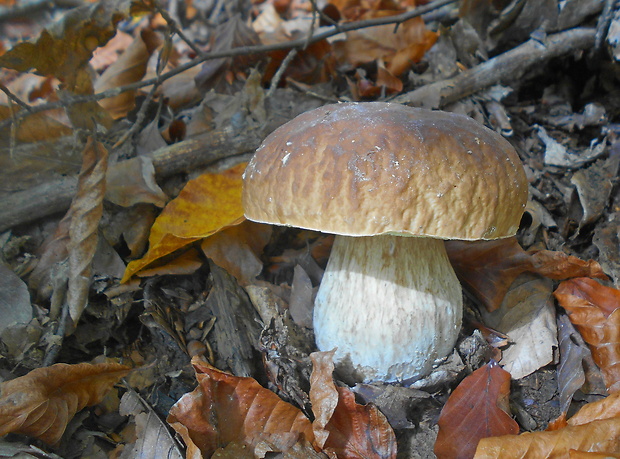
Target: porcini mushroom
{"type": "Point", "coordinates": [391, 182]}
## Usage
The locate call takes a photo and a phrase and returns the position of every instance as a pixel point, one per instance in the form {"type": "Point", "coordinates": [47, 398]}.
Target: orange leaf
{"type": "Point", "coordinates": [477, 408]}
{"type": "Point", "coordinates": [205, 206]}
{"type": "Point", "coordinates": [595, 310]}
{"type": "Point", "coordinates": [488, 268]}
{"type": "Point", "coordinates": [226, 408]}
{"type": "Point", "coordinates": [596, 436]}
{"type": "Point", "coordinates": [41, 403]}
{"type": "Point", "coordinates": [343, 427]}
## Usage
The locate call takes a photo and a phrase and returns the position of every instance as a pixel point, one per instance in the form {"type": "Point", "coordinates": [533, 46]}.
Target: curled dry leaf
{"type": "Point", "coordinates": [41, 403]}
{"type": "Point", "coordinates": [86, 211]}
{"type": "Point", "coordinates": [129, 68]}
{"type": "Point", "coordinates": [343, 427]}
{"type": "Point", "coordinates": [488, 268]}
{"type": "Point", "coordinates": [237, 249]}
{"type": "Point", "coordinates": [594, 428]}
{"type": "Point", "coordinates": [477, 408]}
{"type": "Point", "coordinates": [205, 206]}
{"type": "Point", "coordinates": [226, 408]}
{"type": "Point", "coordinates": [595, 311]}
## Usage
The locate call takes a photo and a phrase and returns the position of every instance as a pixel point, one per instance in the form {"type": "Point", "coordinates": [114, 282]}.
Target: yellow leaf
{"type": "Point", "coordinates": [205, 206]}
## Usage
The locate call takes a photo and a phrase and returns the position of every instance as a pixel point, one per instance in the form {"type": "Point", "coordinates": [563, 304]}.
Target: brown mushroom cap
{"type": "Point", "coordinates": [362, 169]}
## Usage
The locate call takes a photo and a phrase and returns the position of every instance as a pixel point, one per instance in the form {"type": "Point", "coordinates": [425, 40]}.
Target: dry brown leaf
{"type": "Point", "coordinates": [346, 429]}
{"type": "Point", "coordinates": [477, 408]}
{"type": "Point", "coordinates": [488, 268]}
{"type": "Point", "coordinates": [37, 127]}
{"type": "Point", "coordinates": [129, 68]}
{"type": "Point", "coordinates": [86, 211]}
{"type": "Point", "coordinates": [559, 266]}
{"type": "Point", "coordinates": [596, 436]}
{"type": "Point", "coordinates": [399, 50]}
{"type": "Point", "coordinates": [132, 182]}
{"type": "Point", "coordinates": [607, 408]}
{"type": "Point", "coordinates": [226, 408]}
{"type": "Point", "coordinates": [595, 310]}
{"type": "Point", "coordinates": [237, 249]}
{"type": "Point", "coordinates": [41, 403]}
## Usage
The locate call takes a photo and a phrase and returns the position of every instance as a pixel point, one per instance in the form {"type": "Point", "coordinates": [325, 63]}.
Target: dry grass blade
{"type": "Point", "coordinates": [86, 209]}
{"type": "Point", "coordinates": [41, 403]}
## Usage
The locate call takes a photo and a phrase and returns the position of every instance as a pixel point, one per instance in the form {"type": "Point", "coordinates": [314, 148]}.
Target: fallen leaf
{"type": "Point", "coordinates": [487, 269]}
{"type": "Point", "coordinates": [205, 206]}
{"type": "Point", "coordinates": [86, 211]}
{"type": "Point", "coordinates": [226, 408]}
{"type": "Point", "coordinates": [132, 182]}
{"type": "Point", "coordinates": [128, 68]}
{"type": "Point", "coordinates": [153, 438]}
{"type": "Point", "coordinates": [41, 403]}
{"type": "Point", "coordinates": [595, 310]}
{"type": "Point", "coordinates": [342, 427]}
{"type": "Point", "coordinates": [37, 127]}
{"type": "Point", "coordinates": [477, 408]}
{"type": "Point", "coordinates": [237, 249]}
{"type": "Point", "coordinates": [398, 49]}
{"type": "Point", "coordinates": [15, 307]}
{"type": "Point", "coordinates": [570, 373]}
{"type": "Point", "coordinates": [527, 317]}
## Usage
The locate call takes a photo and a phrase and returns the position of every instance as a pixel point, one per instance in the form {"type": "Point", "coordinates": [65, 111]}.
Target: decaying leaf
{"type": "Point", "coordinates": [570, 373]}
{"type": "Point", "coordinates": [477, 408]}
{"type": "Point", "coordinates": [595, 310]}
{"type": "Point", "coordinates": [153, 438]}
{"type": "Point", "coordinates": [132, 182]}
{"type": "Point", "coordinates": [226, 408]}
{"type": "Point", "coordinates": [237, 249]}
{"type": "Point", "coordinates": [488, 268]}
{"type": "Point", "coordinates": [41, 403]}
{"type": "Point", "coordinates": [129, 68]}
{"type": "Point", "coordinates": [86, 211]}
{"type": "Point", "coordinates": [594, 428]}
{"type": "Point", "coordinates": [205, 206]}
{"type": "Point", "coordinates": [527, 317]}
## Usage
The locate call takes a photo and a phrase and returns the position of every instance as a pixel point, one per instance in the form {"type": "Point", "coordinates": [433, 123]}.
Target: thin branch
{"type": "Point", "coordinates": [14, 98]}
{"type": "Point", "coordinates": [278, 75]}
{"type": "Point", "coordinates": [175, 29]}
{"type": "Point", "coordinates": [244, 50]}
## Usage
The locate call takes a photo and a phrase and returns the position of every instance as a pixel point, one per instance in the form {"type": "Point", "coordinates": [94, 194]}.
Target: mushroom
{"type": "Point", "coordinates": [392, 183]}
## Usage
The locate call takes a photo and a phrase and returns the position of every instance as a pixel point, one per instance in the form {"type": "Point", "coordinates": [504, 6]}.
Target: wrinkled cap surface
{"type": "Point", "coordinates": [370, 168]}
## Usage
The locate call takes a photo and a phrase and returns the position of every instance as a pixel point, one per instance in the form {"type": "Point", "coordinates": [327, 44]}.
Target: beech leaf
{"type": "Point", "coordinates": [205, 206]}
{"type": "Point", "coordinates": [226, 408]}
{"type": "Point", "coordinates": [86, 211]}
{"type": "Point", "coordinates": [595, 311]}
{"type": "Point", "coordinates": [477, 408]}
{"type": "Point", "coordinates": [488, 268]}
{"type": "Point", "coordinates": [343, 427]}
{"type": "Point", "coordinates": [596, 436]}
{"type": "Point", "coordinates": [41, 403]}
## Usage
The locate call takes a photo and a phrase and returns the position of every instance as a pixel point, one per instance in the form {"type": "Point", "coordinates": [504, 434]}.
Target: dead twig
{"type": "Point", "coordinates": [275, 80]}
{"type": "Point", "coordinates": [244, 50]}
{"type": "Point", "coordinates": [55, 196]}
{"type": "Point", "coordinates": [509, 66]}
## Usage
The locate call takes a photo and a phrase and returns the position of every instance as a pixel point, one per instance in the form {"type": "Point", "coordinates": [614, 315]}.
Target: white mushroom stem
{"type": "Point", "coordinates": [392, 305]}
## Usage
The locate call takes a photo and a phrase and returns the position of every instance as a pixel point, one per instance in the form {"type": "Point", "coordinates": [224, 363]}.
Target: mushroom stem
{"type": "Point", "coordinates": [392, 305]}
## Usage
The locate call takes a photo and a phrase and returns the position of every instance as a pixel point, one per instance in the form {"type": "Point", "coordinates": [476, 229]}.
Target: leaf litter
{"type": "Point", "coordinates": [235, 298]}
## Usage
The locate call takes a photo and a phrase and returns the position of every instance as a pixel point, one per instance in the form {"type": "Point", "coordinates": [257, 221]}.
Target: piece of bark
{"type": "Point", "coordinates": [509, 66]}
{"type": "Point", "coordinates": [236, 329]}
